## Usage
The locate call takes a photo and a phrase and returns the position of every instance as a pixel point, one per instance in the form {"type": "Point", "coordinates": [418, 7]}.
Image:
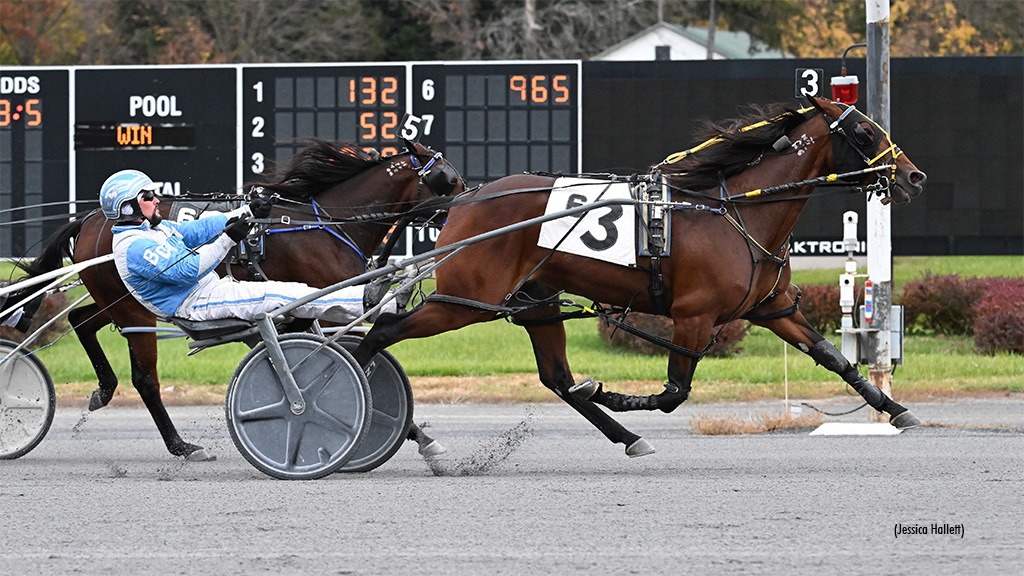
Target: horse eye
{"type": "Point", "coordinates": [862, 136]}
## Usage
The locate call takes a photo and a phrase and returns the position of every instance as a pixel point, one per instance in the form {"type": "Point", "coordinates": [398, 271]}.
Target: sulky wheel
{"type": "Point", "coordinates": [392, 410]}
{"type": "Point", "coordinates": [325, 435]}
{"type": "Point", "coordinates": [27, 402]}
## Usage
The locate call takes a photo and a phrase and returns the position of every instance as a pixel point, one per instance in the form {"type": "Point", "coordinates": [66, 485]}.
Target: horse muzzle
{"type": "Point", "coordinates": [909, 185]}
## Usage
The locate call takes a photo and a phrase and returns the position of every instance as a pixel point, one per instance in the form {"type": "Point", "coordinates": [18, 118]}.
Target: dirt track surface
{"type": "Point", "coordinates": [528, 489]}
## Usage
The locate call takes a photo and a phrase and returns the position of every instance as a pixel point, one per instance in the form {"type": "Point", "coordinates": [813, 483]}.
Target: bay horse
{"type": "Point", "coordinates": [728, 260]}
{"type": "Point", "coordinates": [326, 182]}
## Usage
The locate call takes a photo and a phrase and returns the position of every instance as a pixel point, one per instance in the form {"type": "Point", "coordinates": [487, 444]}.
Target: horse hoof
{"type": "Point", "coordinates": [374, 291]}
{"type": "Point", "coordinates": [905, 421]}
{"type": "Point", "coordinates": [431, 449]}
{"type": "Point", "coordinates": [585, 390]}
{"type": "Point", "coordinates": [200, 455]}
{"type": "Point", "coordinates": [639, 448]}
{"type": "Point", "coordinates": [99, 399]}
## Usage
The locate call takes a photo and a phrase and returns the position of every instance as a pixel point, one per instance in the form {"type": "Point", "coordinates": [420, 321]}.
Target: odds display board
{"type": "Point", "coordinates": [34, 153]}
{"type": "Point", "coordinates": [492, 120]}
{"type": "Point", "coordinates": [283, 104]}
{"type": "Point", "coordinates": [175, 124]}
{"type": "Point", "coordinates": [209, 129]}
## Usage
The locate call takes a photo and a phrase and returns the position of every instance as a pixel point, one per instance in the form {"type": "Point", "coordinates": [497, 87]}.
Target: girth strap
{"type": "Point", "coordinates": [654, 339]}
{"type": "Point", "coordinates": [778, 313]}
{"type": "Point", "coordinates": [501, 311]}
{"type": "Point", "coordinates": [657, 288]}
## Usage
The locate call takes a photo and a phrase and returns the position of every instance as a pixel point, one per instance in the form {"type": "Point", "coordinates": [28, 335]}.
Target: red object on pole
{"type": "Point", "coordinates": [844, 89]}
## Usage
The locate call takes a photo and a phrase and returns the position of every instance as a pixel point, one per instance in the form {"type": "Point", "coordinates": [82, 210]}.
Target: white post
{"type": "Point", "coordinates": [878, 215]}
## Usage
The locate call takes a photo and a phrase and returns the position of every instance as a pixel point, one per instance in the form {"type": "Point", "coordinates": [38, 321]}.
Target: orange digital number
{"type": "Point", "coordinates": [370, 89]}
{"type": "Point", "coordinates": [352, 91]}
{"type": "Point", "coordinates": [390, 89]}
{"type": "Point", "coordinates": [366, 121]}
{"type": "Point", "coordinates": [539, 92]}
{"type": "Point", "coordinates": [388, 151]}
{"type": "Point", "coordinates": [390, 122]}
{"type": "Point", "coordinates": [518, 84]}
{"type": "Point", "coordinates": [560, 89]}
{"type": "Point", "coordinates": [36, 114]}
{"type": "Point", "coordinates": [5, 112]}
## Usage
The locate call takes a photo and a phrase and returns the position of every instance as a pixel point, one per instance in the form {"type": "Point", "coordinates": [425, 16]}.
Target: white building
{"type": "Point", "coordinates": [664, 41]}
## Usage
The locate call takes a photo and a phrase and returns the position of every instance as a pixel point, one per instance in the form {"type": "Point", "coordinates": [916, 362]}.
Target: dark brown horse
{"type": "Point", "coordinates": [327, 181]}
{"type": "Point", "coordinates": [727, 261]}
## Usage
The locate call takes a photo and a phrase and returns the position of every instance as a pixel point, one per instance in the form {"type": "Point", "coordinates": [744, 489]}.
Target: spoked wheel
{"type": "Point", "coordinates": [325, 435]}
{"type": "Point", "coordinates": [27, 402]}
{"type": "Point", "coordinates": [392, 410]}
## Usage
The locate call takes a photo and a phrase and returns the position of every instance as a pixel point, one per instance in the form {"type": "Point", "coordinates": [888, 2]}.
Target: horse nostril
{"type": "Point", "coordinates": [918, 178]}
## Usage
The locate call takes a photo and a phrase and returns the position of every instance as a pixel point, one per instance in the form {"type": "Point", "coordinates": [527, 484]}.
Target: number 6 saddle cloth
{"type": "Point", "coordinates": [608, 233]}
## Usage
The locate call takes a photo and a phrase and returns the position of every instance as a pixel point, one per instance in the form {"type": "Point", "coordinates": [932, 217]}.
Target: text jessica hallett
{"type": "Point", "coordinates": [932, 529]}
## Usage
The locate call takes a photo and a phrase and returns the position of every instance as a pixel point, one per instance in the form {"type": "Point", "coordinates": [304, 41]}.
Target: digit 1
{"type": "Point", "coordinates": [258, 87]}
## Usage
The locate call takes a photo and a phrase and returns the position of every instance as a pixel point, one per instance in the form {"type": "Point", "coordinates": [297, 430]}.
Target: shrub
{"type": "Point", "coordinates": [999, 316]}
{"type": "Point", "coordinates": [51, 306]}
{"type": "Point", "coordinates": [819, 303]}
{"type": "Point", "coordinates": [942, 304]}
{"type": "Point", "coordinates": [727, 344]}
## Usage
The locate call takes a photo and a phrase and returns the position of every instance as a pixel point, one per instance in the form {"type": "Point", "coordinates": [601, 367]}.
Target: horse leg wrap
{"type": "Point", "coordinates": [667, 401]}
{"type": "Point", "coordinates": [825, 353]}
{"type": "Point", "coordinates": [672, 397]}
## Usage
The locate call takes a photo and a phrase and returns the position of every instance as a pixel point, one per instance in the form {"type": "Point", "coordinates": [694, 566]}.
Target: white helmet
{"type": "Point", "coordinates": [119, 191]}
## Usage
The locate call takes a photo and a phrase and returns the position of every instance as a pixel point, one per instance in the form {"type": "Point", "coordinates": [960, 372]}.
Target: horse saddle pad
{"type": "Point", "coordinates": [184, 210]}
{"type": "Point", "coordinates": [607, 233]}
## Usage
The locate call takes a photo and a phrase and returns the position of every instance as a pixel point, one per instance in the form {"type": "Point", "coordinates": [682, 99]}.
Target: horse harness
{"type": "Point", "coordinates": [653, 193]}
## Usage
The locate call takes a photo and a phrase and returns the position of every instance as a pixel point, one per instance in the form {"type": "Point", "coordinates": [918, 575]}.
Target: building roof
{"type": "Point", "coordinates": [687, 43]}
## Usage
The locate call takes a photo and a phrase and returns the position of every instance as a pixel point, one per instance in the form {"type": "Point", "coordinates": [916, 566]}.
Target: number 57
{"type": "Point", "coordinates": [411, 126]}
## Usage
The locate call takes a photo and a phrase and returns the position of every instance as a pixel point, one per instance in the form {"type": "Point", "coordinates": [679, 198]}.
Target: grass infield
{"type": "Point", "coordinates": [493, 362]}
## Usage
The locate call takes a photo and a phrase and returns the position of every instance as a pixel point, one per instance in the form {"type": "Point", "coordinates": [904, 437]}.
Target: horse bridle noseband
{"type": "Point", "coordinates": [440, 178]}
{"type": "Point", "coordinates": [847, 129]}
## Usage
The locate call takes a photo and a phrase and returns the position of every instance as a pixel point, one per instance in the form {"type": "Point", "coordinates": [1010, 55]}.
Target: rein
{"type": "Point", "coordinates": [319, 225]}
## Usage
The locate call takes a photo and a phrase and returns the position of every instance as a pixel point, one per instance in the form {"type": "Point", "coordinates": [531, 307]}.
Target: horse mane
{"type": "Point", "coordinates": [321, 164]}
{"type": "Point", "coordinates": [733, 149]}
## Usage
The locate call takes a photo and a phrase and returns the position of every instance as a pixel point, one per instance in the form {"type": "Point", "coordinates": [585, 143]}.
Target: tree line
{"type": "Point", "coordinates": [112, 32]}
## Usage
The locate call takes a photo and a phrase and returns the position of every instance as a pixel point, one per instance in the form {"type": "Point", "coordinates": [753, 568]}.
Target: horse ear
{"type": "Point", "coordinates": [816, 104]}
{"type": "Point", "coordinates": [409, 145]}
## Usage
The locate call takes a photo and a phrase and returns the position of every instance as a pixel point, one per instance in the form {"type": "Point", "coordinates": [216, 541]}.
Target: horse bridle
{"type": "Point", "coordinates": [847, 129]}
{"type": "Point", "coordinates": [438, 176]}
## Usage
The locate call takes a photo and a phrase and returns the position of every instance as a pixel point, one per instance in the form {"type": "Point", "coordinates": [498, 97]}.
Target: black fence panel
{"type": "Point", "coordinates": [961, 120]}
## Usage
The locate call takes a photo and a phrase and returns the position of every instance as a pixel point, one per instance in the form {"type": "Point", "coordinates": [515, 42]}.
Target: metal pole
{"type": "Point", "coordinates": [878, 215]}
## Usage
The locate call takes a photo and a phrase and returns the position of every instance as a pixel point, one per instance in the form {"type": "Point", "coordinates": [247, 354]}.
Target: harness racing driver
{"type": "Point", "coordinates": [169, 266]}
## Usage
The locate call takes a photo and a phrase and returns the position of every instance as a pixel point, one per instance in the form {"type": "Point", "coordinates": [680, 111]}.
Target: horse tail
{"type": "Point", "coordinates": [56, 247]}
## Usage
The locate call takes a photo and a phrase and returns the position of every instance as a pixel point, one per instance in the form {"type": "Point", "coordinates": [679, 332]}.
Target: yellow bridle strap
{"type": "Point", "coordinates": [673, 158]}
{"type": "Point", "coordinates": [896, 152]}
